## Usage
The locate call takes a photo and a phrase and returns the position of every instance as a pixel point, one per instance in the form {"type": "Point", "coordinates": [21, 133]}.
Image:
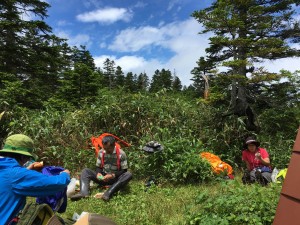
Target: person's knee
{"type": "Point", "coordinates": [125, 177]}
{"type": "Point", "coordinates": [128, 175]}
{"type": "Point", "coordinates": [86, 172]}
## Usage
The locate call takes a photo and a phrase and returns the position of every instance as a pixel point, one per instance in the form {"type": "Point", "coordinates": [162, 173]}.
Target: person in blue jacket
{"type": "Point", "coordinates": [18, 181]}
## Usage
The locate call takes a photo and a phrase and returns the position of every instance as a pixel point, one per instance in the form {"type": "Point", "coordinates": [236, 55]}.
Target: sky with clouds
{"type": "Point", "coordinates": [139, 35]}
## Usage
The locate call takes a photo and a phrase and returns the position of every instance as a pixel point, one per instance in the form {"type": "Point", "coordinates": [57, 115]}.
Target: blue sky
{"type": "Point", "coordinates": [139, 35]}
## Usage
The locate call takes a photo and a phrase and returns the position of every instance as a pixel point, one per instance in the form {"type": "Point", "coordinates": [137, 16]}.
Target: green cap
{"type": "Point", "coordinates": [20, 144]}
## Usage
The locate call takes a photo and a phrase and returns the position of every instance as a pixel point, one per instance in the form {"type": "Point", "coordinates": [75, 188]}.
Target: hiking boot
{"type": "Point", "coordinates": [105, 198]}
{"type": "Point", "coordinates": [259, 178]}
{"type": "Point", "coordinates": [77, 197]}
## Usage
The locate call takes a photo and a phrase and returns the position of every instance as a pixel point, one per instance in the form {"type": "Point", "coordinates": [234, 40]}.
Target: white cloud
{"type": "Point", "coordinates": [140, 4]}
{"type": "Point", "coordinates": [62, 23]}
{"type": "Point", "coordinates": [172, 3]}
{"type": "Point", "coordinates": [173, 36]}
{"type": "Point", "coordinates": [99, 60]}
{"type": "Point", "coordinates": [135, 39]}
{"type": "Point", "coordinates": [181, 38]}
{"type": "Point", "coordinates": [129, 63]}
{"type": "Point", "coordinates": [103, 45]}
{"type": "Point", "coordinates": [106, 15]}
{"type": "Point", "coordinates": [290, 64]}
{"type": "Point", "coordinates": [134, 64]}
{"type": "Point", "coordinates": [79, 39]}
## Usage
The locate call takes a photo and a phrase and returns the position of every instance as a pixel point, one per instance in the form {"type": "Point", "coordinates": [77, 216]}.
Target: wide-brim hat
{"type": "Point", "coordinates": [251, 140]}
{"type": "Point", "coordinates": [19, 144]}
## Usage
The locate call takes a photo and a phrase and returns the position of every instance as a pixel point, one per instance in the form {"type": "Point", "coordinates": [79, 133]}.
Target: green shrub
{"type": "Point", "coordinates": [184, 127]}
{"type": "Point", "coordinates": [179, 161]}
{"type": "Point", "coordinates": [236, 204]}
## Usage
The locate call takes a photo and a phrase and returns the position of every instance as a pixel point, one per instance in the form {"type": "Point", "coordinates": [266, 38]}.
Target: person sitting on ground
{"type": "Point", "coordinates": [111, 169]}
{"type": "Point", "coordinates": [17, 182]}
{"type": "Point", "coordinates": [257, 162]}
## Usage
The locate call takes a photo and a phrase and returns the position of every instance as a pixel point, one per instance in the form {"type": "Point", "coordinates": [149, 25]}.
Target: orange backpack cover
{"type": "Point", "coordinates": [97, 141]}
{"type": "Point", "coordinates": [218, 166]}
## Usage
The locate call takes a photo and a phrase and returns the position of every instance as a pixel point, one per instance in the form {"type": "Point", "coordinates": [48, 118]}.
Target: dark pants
{"type": "Point", "coordinates": [251, 177]}
{"type": "Point", "coordinates": [87, 175]}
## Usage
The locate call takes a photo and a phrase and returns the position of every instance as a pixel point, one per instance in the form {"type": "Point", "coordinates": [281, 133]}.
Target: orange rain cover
{"type": "Point", "coordinates": [97, 141]}
{"type": "Point", "coordinates": [217, 164]}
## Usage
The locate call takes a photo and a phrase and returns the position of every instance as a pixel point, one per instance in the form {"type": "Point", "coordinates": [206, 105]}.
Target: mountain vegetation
{"type": "Point", "coordinates": [56, 94]}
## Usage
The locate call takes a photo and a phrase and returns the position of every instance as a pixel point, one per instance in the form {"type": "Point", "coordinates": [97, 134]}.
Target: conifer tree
{"type": "Point", "coordinates": [161, 79]}
{"type": "Point", "coordinates": [120, 78]}
{"type": "Point", "coordinates": [130, 82]}
{"type": "Point", "coordinates": [109, 70]}
{"type": "Point", "coordinates": [142, 82]}
{"type": "Point", "coordinates": [247, 32]}
{"type": "Point", "coordinates": [29, 50]}
{"type": "Point", "coordinates": [176, 84]}
{"type": "Point", "coordinates": [82, 55]}
{"type": "Point", "coordinates": [201, 75]}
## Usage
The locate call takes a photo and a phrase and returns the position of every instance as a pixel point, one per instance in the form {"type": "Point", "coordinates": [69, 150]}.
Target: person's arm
{"type": "Point", "coordinates": [264, 161]}
{"type": "Point", "coordinates": [247, 165]}
{"type": "Point", "coordinates": [120, 172]}
{"type": "Point", "coordinates": [245, 159]}
{"type": "Point", "coordinates": [114, 175]}
{"type": "Point", "coordinates": [31, 183]}
{"type": "Point", "coordinates": [99, 170]}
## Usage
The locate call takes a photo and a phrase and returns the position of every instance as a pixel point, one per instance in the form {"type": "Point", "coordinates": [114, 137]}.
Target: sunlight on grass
{"type": "Point", "coordinates": [169, 204]}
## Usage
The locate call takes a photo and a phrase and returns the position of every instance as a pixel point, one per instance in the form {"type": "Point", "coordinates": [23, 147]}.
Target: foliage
{"type": "Point", "coordinates": [29, 52]}
{"type": "Point", "coordinates": [183, 127]}
{"type": "Point", "coordinates": [219, 202]}
{"type": "Point", "coordinates": [247, 32]}
{"type": "Point", "coordinates": [201, 77]}
{"type": "Point", "coordinates": [78, 85]}
{"type": "Point", "coordinates": [160, 204]}
{"type": "Point", "coordinates": [236, 204]}
{"type": "Point", "coordinates": [55, 138]}
{"type": "Point", "coordinates": [74, 100]}
{"type": "Point", "coordinates": [178, 162]}
{"type": "Point", "coordinates": [161, 80]}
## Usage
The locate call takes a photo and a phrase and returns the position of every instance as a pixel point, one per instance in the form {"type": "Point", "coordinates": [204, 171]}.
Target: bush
{"type": "Point", "coordinates": [179, 161]}
{"type": "Point", "coordinates": [236, 204]}
{"type": "Point", "coordinates": [184, 127]}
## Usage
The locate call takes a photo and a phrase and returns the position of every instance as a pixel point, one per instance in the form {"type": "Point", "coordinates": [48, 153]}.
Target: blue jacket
{"type": "Point", "coordinates": [17, 182]}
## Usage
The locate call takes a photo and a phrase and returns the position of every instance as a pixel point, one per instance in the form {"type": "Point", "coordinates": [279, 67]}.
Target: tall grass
{"type": "Point", "coordinates": [220, 202]}
{"type": "Point", "coordinates": [188, 192]}
{"type": "Point", "coordinates": [185, 127]}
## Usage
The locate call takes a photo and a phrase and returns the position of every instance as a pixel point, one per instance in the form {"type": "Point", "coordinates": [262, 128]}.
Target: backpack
{"type": "Point", "coordinates": [218, 166]}
{"type": "Point", "coordinates": [37, 214]}
{"type": "Point", "coordinates": [97, 141]}
{"type": "Point", "coordinates": [58, 201]}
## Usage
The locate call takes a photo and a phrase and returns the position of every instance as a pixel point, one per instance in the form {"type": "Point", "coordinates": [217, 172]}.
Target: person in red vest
{"type": "Point", "coordinates": [257, 162]}
{"type": "Point", "coordinates": [111, 169]}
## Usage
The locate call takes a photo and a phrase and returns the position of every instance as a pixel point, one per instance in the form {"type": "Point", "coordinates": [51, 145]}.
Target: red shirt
{"type": "Point", "coordinates": [253, 161]}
